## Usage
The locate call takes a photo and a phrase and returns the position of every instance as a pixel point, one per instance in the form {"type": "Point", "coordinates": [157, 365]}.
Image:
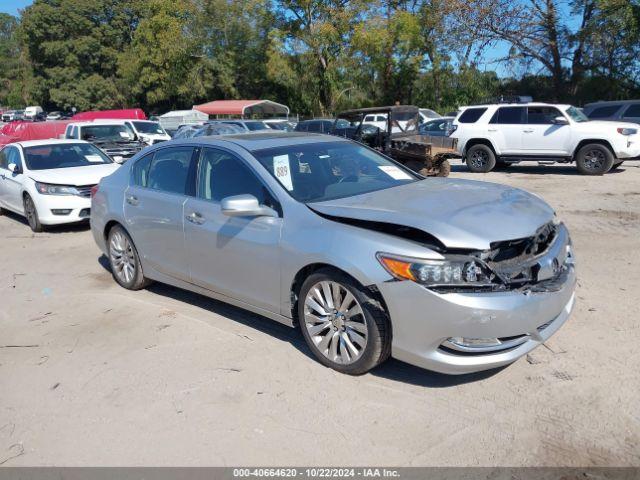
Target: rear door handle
{"type": "Point", "coordinates": [528, 130]}
{"type": "Point", "coordinates": [132, 200]}
{"type": "Point", "coordinates": [195, 217]}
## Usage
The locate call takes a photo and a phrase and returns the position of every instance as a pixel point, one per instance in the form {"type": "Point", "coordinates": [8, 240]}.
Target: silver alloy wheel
{"type": "Point", "coordinates": [30, 212]}
{"type": "Point", "coordinates": [335, 322]}
{"type": "Point", "coordinates": [479, 159]}
{"type": "Point", "coordinates": [594, 159]}
{"type": "Point", "coordinates": [122, 257]}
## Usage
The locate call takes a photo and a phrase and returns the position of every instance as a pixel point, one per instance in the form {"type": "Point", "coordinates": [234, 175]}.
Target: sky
{"type": "Point", "coordinates": [12, 6]}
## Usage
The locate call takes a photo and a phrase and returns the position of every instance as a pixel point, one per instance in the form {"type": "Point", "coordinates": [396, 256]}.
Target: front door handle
{"type": "Point", "coordinates": [195, 217]}
{"type": "Point", "coordinates": [528, 130]}
{"type": "Point", "coordinates": [492, 130]}
{"type": "Point", "coordinates": [132, 200]}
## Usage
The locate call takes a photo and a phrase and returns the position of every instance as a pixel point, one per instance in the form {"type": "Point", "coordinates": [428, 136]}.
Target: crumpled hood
{"type": "Point", "coordinates": [77, 176]}
{"type": "Point", "coordinates": [460, 213]}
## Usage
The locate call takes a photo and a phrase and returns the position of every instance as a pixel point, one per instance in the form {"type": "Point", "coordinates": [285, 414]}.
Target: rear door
{"type": "Point", "coordinates": [540, 136]}
{"type": "Point", "coordinates": [235, 256]}
{"type": "Point", "coordinates": [505, 129]}
{"type": "Point", "coordinates": [154, 202]}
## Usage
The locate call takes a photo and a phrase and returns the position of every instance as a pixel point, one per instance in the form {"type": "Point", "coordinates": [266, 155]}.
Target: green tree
{"type": "Point", "coordinates": [159, 64]}
{"type": "Point", "coordinates": [73, 47]}
{"type": "Point", "coordinates": [14, 73]}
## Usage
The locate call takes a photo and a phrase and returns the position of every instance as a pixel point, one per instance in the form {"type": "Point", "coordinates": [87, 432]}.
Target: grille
{"type": "Point", "coordinates": [85, 190]}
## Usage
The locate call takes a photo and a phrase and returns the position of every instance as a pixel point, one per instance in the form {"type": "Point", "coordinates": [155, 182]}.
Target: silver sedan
{"type": "Point", "coordinates": [367, 258]}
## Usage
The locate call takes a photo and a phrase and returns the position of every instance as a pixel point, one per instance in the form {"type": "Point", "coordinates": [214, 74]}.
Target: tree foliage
{"type": "Point", "coordinates": [317, 56]}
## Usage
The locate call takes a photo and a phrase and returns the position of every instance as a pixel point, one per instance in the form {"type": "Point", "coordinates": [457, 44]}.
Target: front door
{"type": "Point", "coordinates": [11, 189]}
{"type": "Point", "coordinates": [235, 256]}
{"type": "Point", "coordinates": [154, 208]}
{"type": "Point", "coordinates": [541, 136]}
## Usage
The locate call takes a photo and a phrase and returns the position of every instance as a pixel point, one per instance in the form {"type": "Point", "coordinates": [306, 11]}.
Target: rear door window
{"type": "Point", "coordinates": [314, 127]}
{"type": "Point", "coordinates": [471, 115]}
{"type": "Point", "coordinates": [171, 170]}
{"type": "Point", "coordinates": [604, 112]}
{"type": "Point", "coordinates": [508, 116]}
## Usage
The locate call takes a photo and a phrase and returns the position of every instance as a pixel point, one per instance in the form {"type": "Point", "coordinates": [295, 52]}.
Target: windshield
{"type": "Point", "coordinates": [65, 155]}
{"type": "Point", "coordinates": [577, 115]}
{"type": "Point", "coordinates": [323, 171]}
{"type": "Point", "coordinates": [107, 133]}
{"type": "Point", "coordinates": [151, 128]}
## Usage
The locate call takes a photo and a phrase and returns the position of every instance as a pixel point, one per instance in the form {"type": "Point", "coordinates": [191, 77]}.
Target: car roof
{"type": "Point", "coordinates": [519, 104]}
{"type": "Point", "coordinates": [50, 141]}
{"type": "Point", "coordinates": [260, 141]}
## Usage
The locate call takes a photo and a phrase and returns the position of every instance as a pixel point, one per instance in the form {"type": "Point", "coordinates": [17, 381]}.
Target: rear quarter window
{"type": "Point", "coordinates": [471, 115]}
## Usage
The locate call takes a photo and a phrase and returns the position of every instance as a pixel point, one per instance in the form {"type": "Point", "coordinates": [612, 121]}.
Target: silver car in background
{"type": "Point", "coordinates": [369, 259]}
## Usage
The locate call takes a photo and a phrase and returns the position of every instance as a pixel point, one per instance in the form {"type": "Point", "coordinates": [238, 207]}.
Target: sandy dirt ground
{"type": "Point", "coordinates": [92, 374]}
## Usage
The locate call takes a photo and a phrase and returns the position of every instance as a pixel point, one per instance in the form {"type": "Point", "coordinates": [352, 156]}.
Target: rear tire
{"type": "Point", "coordinates": [444, 169]}
{"type": "Point", "coordinates": [594, 159]}
{"type": "Point", "coordinates": [31, 212]}
{"type": "Point", "coordinates": [352, 337]}
{"type": "Point", "coordinates": [480, 159]}
{"type": "Point", "coordinates": [124, 260]}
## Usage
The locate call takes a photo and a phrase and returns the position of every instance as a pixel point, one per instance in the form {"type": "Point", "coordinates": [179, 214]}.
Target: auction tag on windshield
{"type": "Point", "coordinates": [394, 172]}
{"type": "Point", "coordinates": [124, 134]}
{"type": "Point", "coordinates": [282, 171]}
{"type": "Point", "coordinates": [93, 158]}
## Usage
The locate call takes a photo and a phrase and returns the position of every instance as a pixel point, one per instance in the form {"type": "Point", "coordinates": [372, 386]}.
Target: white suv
{"type": "Point", "coordinates": [490, 135]}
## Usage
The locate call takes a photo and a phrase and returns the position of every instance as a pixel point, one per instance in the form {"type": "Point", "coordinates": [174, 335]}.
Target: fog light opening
{"type": "Point", "coordinates": [61, 211]}
{"type": "Point", "coordinates": [475, 342]}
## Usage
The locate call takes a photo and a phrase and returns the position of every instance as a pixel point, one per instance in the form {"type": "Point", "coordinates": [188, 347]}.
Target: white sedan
{"type": "Point", "coordinates": [50, 181]}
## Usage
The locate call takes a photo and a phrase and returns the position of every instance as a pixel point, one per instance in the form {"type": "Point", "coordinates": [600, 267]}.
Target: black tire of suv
{"type": "Point", "coordinates": [480, 159]}
{"type": "Point", "coordinates": [594, 159]}
{"type": "Point", "coordinates": [378, 347]}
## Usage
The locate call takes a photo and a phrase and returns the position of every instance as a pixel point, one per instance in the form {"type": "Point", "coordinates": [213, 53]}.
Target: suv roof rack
{"type": "Point", "coordinates": [509, 99]}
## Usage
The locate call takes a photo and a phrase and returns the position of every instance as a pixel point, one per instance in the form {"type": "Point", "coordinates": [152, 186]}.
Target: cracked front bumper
{"type": "Point", "coordinates": [423, 321]}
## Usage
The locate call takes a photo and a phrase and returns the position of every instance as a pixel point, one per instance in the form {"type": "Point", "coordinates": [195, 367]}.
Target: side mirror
{"type": "Point", "coordinates": [245, 206]}
{"type": "Point", "coordinates": [560, 121]}
{"type": "Point", "coordinates": [13, 168]}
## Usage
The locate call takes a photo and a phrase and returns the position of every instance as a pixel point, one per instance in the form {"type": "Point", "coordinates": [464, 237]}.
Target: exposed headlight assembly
{"type": "Point", "coordinates": [49, 189]}
{"type": "Point", "coordinates": [453, 271]}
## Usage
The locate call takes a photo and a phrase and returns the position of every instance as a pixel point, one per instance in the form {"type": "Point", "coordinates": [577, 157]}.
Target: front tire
{"type": "Point", "coordinates": [31, 212]}
{"type": "Point", "coordinates": [594, 159]}
{"type": "Point", "coordinates": [617, 164]}
{"type": "Point", "coordinates": [344, 326]}
{"type": "Point", "coordinates": [480, 159]}
{"type": "Point", "coordinates": [124, 260]}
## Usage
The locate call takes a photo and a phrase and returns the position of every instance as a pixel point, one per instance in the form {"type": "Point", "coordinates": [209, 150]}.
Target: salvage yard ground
{"type": "Point", "coordinates": [92, 374]}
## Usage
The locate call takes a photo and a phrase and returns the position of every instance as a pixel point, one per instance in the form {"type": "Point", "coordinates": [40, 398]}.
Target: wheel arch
{"type": "Point", "coordinates": [587, 141]}
{"type": "Point", "coordinates": [312, 268]}
{"type": "Point", "coordinates": [477, 141]}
